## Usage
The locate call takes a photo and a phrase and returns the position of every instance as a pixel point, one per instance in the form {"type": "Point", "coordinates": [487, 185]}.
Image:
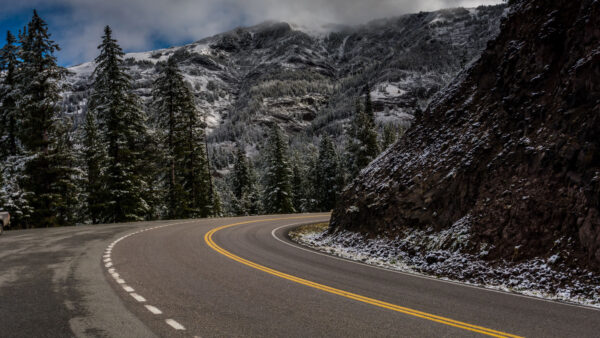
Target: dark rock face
{"type": "Point", "coordinates": [513, 146]}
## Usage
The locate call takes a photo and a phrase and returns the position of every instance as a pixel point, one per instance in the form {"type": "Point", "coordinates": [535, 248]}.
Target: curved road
{"type": "Point", "coordinates": [243, 277]}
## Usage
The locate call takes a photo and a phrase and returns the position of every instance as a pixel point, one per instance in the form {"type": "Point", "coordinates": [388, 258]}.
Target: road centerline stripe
{"type": "Point", "coordinates": [412, 312]}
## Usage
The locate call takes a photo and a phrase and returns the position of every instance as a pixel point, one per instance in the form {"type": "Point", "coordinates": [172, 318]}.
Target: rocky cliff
{"type": "Point", "coordinates": [511, 150]}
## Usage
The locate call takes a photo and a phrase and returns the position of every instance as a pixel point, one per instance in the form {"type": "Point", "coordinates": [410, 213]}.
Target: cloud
{"type": "Point", "coordinates": [143, 24]}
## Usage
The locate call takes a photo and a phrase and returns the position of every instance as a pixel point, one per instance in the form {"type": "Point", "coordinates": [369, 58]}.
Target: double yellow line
{"type": "Point", "coordinates": [438, 319]}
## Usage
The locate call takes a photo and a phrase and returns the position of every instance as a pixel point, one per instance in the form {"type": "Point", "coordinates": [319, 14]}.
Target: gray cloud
{"type": "Point", "coordinates": [138, 24]}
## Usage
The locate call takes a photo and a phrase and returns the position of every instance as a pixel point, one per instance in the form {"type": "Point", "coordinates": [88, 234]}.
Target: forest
{"type": "Point", "coordinates": [132, 161]}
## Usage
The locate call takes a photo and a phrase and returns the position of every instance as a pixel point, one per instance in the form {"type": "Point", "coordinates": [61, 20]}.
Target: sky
{"type": "Point", "coordinates": [141, 25]}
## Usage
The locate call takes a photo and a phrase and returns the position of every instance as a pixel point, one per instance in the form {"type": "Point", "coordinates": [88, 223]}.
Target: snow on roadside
{"type": "Point", "coordinates": [439, 254]}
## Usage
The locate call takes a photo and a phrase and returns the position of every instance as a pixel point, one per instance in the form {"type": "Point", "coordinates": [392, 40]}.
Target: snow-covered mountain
{"type": "Point", "coordinates": [306, 79]}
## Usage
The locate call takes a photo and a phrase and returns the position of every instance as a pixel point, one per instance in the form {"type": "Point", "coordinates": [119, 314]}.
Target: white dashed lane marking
{"type": "Point", "coordinates": [175, 324]}
{"type": "Point", "coordinates": [138, 297]}
{"type": "Point", "coordinates": [106, 258]}
{"type": "Point", "coordinates": [153, 309]}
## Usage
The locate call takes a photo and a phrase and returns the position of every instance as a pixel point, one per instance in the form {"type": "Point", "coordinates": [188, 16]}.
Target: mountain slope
{"type": "Point", "coordinates": [248, 78]}
{"type": "Point", "coordinates": [511, 151]}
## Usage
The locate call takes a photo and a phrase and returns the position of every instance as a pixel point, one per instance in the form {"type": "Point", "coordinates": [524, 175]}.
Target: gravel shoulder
{"type": "Point", "coordinates": [439, 255]}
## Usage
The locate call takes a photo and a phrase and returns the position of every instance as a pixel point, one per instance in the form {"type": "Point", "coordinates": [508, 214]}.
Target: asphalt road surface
{"type": "Point", "coordinates": [241, 277]}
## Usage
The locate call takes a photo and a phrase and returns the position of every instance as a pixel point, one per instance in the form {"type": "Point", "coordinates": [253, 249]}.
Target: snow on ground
{"type": "Point", "coordinates": [385, 90]}
{"type": "Point", "coordinates": [439, 254]}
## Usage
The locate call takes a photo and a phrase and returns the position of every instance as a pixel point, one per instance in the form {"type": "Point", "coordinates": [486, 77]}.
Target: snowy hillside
{"type": "Point", "coordinates": [306, 79]}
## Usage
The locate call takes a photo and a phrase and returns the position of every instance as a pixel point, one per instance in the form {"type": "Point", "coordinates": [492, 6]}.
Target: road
{"type": "Point", "coordinates": [241, 277]}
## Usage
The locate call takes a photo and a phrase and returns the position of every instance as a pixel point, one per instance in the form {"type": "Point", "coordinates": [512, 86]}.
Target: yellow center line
{"type": "Point", "coordinates": [439, 319]}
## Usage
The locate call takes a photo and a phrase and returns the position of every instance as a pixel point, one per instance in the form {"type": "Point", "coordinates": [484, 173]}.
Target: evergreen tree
{"type": "Point", "coordinates": [94, 160]}
{"type": "Point", "coordinates": [369, 105]}
{"type": "Point", "coordinates": [197, 179]}
{"type": "Point", "coordinates": [170, 99]}
{"type": "Point", "coordinates": [241, 174]}
{"type": "Point", "coordinates": [244, 186]}
{"type": "Point", "coordinates": [298, 186]}
{"type": "Point", "coordinates": [8, 110]}
{"type": "Point", "coordinates": [48, 172]}
{"type": "Point", "coordinates": [123, 133]}
{"type": "Point", "coordinates": [362, 141]}
{"type": "Point", "coordinates": [252, 196]}
{"type": "Point", "coordinates": [65, 202]}
{"type": "Point", "coordinates": [328, 185]}
{"type": "Point", "coordinates": [390, 135]}
{"type": "Point", "coordinates": [309, 181]}
{"type": "Point", "coordinates": [278, 185]}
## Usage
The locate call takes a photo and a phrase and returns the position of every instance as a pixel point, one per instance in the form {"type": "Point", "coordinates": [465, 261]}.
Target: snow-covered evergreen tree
{"type": "Point", "coordinates": [123, 132]}
{"type": "Point", "coordinates": [67, 176]}
{"type": "Point", "coordinates": [197, 179]}
{"type": "Point", "coordinates": [48, 173]}
{"type": "Point", "coordinates": [362, 145]}
{"type": "Point", "coordinates": [278, 177]}
{"type": "Point", "coordinates": [298, 185]}
{"type": "Point", "coordinates": [328, 179]}
{"type": "Point", "coordinates": [244, 186]}
{"type": "Point", "coordinates": [9, 64]}
{"type": "Point", "coordinates": [94, 158]}
{"type": "Point", "coordinates": [241, 176]}
{"type": "Point", "coordinates": [170, 99]}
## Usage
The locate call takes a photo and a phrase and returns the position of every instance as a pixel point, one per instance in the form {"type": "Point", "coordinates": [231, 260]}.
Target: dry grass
{"type": "Point", "coordinates": [307, 229]}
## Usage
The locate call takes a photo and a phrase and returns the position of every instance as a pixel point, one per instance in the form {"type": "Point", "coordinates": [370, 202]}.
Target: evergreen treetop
{"type": "Point", "coordinates": [278, 177]}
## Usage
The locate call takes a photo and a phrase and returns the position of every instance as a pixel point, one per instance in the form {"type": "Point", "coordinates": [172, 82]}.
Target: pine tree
{"type": "Point", "coordinates": [241, 175]}
{"type": "Point", "coordinates": [123, 133]}
{"type": "Point", "coordinates": [311, 193]}
{"type": "Point", "coordinates": [390, 135]}
{"type": "Point", "coordinates": [170, 98]}
{"type": "Point", "coordinates": [197, 178]}
{"type": "Point", "coordinates": [8, 110]}
{"type": "Point", "coordinates": [369, 105]}
{"type": "Point", "coordinates": [362, 141]}
{"type": "Point", "coordinates": [278, 185]}
{"type": "Point", "coordinates": [94, 160]}
{"type": "Point", "coordinates": [244, 186]}
{"type": "Point", "coordinates": [48, 173]}
{"type": "Point", "coordinates": [252, 196]}
{"type": "Point", "coordinates": [61, 157]}
{"type": "Point", "coordinates": [240, 182]}
{"type": "Point", "coordinates": [328, 185]}
{"type": "Point", "coordinates": [298, 184]}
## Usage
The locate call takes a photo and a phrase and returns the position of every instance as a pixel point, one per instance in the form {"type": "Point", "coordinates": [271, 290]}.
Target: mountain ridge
{"type": "Point", "coordinates": [248, 78]}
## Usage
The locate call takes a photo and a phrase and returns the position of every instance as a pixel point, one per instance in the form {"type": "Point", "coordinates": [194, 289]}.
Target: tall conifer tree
{"type": "Point", "coordinates": [48, 173]}
{"type": "Point", "coordinates": [8, 90]}
{"type": "Point", "coordinates": [181, 132]}
{"type": "Point", "coordinates": [278, 178]}
{"type": "Point", "coordinates": [328, 182]}
{"type": "Point", "coordinates": [94, 155]}
{"type": "Point", "coordinates": [123, 132]}
{"type": "Point", "coordinates": [362, 141]}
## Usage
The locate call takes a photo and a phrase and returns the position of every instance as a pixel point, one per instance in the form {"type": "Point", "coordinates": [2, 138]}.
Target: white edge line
{"type": "Point", "coordinates": [414, 274]}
